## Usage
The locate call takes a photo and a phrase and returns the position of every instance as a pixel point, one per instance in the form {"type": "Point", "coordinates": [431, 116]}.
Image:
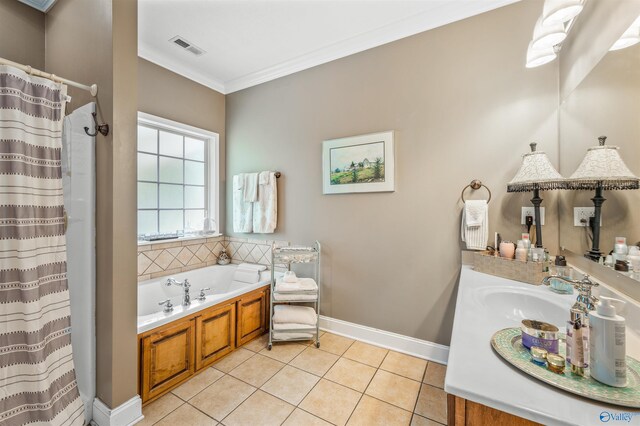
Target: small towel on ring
{"type": "Point", "coordinates": [474, 212]}
{"type": "Point", "coordinates": [475, 232]}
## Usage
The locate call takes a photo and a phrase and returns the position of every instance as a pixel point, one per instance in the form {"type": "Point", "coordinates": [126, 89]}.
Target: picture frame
{"type": "Point", "coordinates": [356, 164]}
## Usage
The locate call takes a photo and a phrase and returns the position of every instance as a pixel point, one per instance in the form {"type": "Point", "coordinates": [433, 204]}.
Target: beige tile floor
{"type": "Point", "coordinates": [345, 382]}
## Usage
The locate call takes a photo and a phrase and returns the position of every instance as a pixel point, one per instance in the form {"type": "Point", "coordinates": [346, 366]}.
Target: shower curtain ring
{"type": "Point", "coordinates": [103, 129]}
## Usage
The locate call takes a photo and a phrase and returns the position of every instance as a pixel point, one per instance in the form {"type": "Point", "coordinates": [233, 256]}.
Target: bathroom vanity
{"type": "Point", "coordinates": [485, 389]}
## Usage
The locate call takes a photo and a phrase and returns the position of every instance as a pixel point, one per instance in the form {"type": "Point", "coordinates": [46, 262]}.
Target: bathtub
{"type": "Point", "coordinates": [218, 278]}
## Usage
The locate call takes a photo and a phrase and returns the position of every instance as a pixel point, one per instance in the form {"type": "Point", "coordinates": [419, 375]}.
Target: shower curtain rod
{"type": "Point", "coordinates": [93, 89]}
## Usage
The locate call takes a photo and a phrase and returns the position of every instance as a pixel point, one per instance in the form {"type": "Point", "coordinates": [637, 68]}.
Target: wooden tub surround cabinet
{"type": "Point", "coordinates": [174, 352]}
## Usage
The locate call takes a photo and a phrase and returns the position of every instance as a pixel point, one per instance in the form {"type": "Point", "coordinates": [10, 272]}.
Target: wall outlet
{"type": "Point", "coordinates": [581, 216]}
{"type": "Point", "coordinates": [529, 211]}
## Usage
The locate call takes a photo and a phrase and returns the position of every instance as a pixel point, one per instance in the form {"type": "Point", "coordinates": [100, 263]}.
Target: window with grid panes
{"type": "Point", "coordinates": [173, 180]}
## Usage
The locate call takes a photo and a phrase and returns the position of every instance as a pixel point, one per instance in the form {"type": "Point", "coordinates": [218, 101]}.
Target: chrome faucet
{"type": "Point", "coordinates": [584, 286]}
{"type": "Point", "coordinates": [186, 300]}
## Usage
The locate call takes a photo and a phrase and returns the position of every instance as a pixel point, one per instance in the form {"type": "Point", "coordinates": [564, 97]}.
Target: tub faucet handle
{"type": "Point", "coordinates": [202, 297]}
{"type": "Point", "coordinates": [168, 306]}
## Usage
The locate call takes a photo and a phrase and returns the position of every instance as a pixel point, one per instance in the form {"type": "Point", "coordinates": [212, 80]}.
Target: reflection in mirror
{"type": "Point", "coordinates": [607, 102]}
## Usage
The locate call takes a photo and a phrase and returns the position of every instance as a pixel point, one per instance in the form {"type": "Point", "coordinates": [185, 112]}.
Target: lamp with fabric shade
{"type": "Point", "coordinates": [601, 169]}
{"type": "Point", "coordinates": [536, 174]}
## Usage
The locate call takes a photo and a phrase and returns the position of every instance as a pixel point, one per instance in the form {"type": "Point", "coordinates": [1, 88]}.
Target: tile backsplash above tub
{"type": "Point", "coordinates": [167, 258]}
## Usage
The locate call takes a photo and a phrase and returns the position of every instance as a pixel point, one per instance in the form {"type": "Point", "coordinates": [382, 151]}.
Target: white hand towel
{"type": "Point", "coordinates": [250, 188]}
{"type": "Point", "coordinates": [252, 267]}
{"type": "Point", "coordinates": [285, 335]}
{"type": "Point", "coordinates": [246, 276]}
{"type": "Point", "coordinates": [287, 296]}
{"type": "Point", "coordinates": [475, 236]}
{"type": "Point", "coordinates": [475, 211]}
{"type": "Point", "coordinates": [283, 314]}
{"type": "Point", "coordinates": [265, 209]}
{"type": "Point", "coordinates": [303, 284]}
{"type": "Point", "coordinates": [242, 211]}
{"type": "Point", "coordinates": [290, 326]}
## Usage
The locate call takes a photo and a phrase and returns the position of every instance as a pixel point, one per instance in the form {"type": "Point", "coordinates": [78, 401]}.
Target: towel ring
{"type": "Point", "coordinates": [475, 185]}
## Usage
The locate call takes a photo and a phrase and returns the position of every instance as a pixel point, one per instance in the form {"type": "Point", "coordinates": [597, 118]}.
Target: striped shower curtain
{"type": "Point", "coordinates": [37, 377]}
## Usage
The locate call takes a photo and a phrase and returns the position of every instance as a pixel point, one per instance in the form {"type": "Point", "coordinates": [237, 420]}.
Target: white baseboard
{"type": "Point", "coordinates": [126, 414]}
{"type": "Point", "coordinates": [386, 339]}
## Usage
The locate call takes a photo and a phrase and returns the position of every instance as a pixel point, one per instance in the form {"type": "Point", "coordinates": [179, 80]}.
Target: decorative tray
{"type": "Point", "coordinates": [508, 344]}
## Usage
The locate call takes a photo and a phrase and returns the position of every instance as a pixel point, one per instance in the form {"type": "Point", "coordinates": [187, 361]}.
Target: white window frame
{"type": "Point", "coordinates": [213, 172]}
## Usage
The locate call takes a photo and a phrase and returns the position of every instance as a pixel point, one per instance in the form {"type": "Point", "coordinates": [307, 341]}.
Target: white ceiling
{"type": "Point", "coordinates": [249, 42]}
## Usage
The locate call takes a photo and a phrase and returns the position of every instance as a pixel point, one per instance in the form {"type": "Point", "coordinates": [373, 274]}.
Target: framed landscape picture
{"type": "Point", "coordinates": [358, 164]}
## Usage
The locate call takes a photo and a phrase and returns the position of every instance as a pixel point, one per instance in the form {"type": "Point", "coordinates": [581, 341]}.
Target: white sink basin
{"type": "Point", "coordinates": [516, 304]}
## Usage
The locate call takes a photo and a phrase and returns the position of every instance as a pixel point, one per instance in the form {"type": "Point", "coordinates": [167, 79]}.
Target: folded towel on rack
{"type": "Point", "coordinates": [281, 297]}
{"type": "Point", "coordinates": [246, 276]}
{"type": "Point", "coordinates": [283, 335]}
{"type": "Point", "coordinates": [292, 326]}
{"type": "Point", "coordinates": [283, 314]}
{"type": "Point", "coordinates": [250, 188]}
{"type": "Point", "coordinates": [303, 284]}
{"type": "Point", "coordinates": [474, 212]}
{"type": "Point", "coordinates": [265, 209]}
{"type": "Point", "coordinates": [242, 210]}
{"type": "Point", "coordinates": [474, 229]}
{"type": "Point", "coordinates": [252, 267]}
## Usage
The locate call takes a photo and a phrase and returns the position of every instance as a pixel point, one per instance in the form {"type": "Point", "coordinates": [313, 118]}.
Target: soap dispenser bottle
{"type": "Point", "coordinates": [608, 344]}
{"type": "Point", "coordinates": [577, 349]}
{"type": "Point", "coordinates": [578, 344]}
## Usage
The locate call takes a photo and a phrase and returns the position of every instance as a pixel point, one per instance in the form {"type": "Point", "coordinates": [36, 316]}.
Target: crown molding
{"type": "Point", "coordinates": [446, 14]}
{"type": "Point", "coordinates": [172, 64]}
{"type": "Point", "coordinates": [404, 28]}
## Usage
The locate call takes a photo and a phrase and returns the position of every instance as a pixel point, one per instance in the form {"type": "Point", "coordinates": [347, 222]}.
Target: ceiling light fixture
{"type": "Point", "coordinates": [545, 36]}
{"type": "Point", "coordinates": [560, 11]}
{"type": "Point", "coordinates": [537, 57]}
{"type": "Point", "coordinates": [630, 37]}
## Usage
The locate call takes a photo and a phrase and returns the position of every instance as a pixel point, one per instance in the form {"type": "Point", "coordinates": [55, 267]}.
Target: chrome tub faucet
{"type": "Point", "coordinates": [186, 300]}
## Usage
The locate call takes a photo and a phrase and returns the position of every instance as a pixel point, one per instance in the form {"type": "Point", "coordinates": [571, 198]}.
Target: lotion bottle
{"type": "Point", "coordinates": [608, 344]}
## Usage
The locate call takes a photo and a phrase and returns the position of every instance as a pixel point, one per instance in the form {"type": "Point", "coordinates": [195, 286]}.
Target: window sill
{"type": "Point", "coordinates": [171, 240]}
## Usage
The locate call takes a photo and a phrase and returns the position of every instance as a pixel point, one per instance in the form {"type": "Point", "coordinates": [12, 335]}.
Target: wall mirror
{"type": "Point", "coordinates": [606, 103]}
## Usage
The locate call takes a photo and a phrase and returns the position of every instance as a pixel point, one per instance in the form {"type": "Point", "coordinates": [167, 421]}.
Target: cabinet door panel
{"type": "Point", "coordinates": [251, 316]}
{"type": "Point", "coordinates": [216, 335]}
{"type": "Point", "coordinates": [167, 359]}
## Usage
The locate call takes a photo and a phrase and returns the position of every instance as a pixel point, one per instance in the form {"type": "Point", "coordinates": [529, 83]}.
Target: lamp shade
{"type": "Point", "coordinates": [536, 172]}
{"type": "Point", "coordinates": [560, 11]}
{"type": "Point", "coordinates": [537, 57]}
{"type": "Point", "coordinates": [546, 36]}
{"type": "Point", "coordinates": [603, 166]}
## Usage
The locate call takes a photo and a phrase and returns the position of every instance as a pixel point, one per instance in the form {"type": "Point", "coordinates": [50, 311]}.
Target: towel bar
{"type": "Point", "coordinates": [475, 185]}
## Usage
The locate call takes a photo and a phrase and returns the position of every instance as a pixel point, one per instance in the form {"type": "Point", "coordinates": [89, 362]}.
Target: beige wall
{"type": "Point", "coordinates": [607, 102]}
{"type": "Point", "coordinates": [463, 107]}
{"type": "Point", "coordinates": [169, 95]}
{"type": "Point", "coordinates": [96, 42]}
{"type": "Point", "coordinates": [21, 33]}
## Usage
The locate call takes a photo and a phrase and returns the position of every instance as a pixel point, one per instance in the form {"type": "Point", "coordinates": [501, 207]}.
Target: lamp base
{"type": "Point", "coordinates": [594, 255]}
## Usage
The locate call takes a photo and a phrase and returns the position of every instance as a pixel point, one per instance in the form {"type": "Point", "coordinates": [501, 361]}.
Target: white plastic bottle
{"type": "Point", "coordinates": [607, 359]}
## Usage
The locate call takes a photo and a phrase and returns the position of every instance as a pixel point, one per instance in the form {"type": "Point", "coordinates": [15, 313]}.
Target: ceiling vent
{"type": "Point", "coordinates": [186, 45]}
